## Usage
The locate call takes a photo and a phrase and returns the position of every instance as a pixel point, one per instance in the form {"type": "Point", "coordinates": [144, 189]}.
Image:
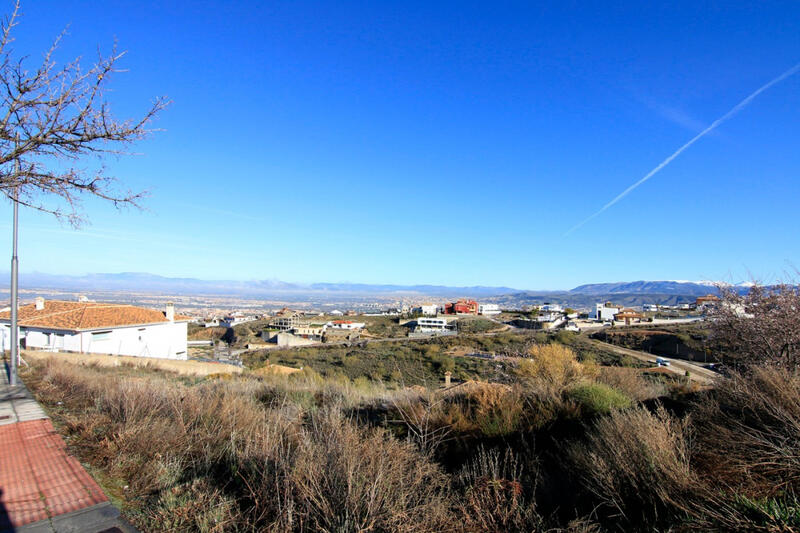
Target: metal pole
{"type": "Point", "coordinates": [12, 372]}
{"type": "Point", "coordinates": [12, 377]}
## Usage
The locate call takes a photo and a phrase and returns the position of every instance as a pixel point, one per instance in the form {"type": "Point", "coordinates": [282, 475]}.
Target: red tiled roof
{"type": "Point", "coordinates": [74, 316]}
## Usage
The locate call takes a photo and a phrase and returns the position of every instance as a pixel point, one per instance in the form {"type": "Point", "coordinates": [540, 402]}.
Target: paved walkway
{"type": "Point", "coordinates": [42, 487]}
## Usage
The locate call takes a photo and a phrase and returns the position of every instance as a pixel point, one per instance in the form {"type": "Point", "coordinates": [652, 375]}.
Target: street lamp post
{"type": "Point", "coordinates": [12, 371]}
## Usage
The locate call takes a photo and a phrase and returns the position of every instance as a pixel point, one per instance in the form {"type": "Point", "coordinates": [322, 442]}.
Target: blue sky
{"type": "Point", "coordinates": [438, 142]}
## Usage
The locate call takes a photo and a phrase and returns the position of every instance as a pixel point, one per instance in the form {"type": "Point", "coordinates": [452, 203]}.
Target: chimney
{"type": "Point", "coordinates": [39, 303]}
{"type": "Point", "coordinates": [447, 378]}
{"type": "Point", "coordinates": [170, 312]}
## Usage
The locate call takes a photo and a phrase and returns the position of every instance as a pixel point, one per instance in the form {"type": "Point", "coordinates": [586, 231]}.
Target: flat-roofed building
{"type": "Point", "coordinates": [488, 309]}
{"type": "Point", "coordinates": [432, 325]}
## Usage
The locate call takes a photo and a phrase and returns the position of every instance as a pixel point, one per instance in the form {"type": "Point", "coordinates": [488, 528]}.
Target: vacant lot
{"type": "Point", "coordinates": [189, 368]}
{"type": "Point", "coordinates": [551, 441]}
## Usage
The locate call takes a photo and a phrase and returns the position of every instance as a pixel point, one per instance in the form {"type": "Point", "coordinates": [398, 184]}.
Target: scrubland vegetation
{"type": "Point", "coordinates": [561, 442]}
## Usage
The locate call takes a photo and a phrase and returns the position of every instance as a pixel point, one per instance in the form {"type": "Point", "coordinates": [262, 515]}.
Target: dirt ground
{"type": "Point", "coordinates": [191, 368]}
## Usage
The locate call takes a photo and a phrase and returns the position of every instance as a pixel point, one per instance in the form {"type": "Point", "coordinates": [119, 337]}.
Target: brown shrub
{"type": "Point", "coordinates": [493, 494]}
{"type": "Point", "coordinates": [353, 479]}
{"type": "Point", "coordinates": [551, 369]}
{"type": "Point", "coordinates": [637, 464]}
{"type": "Point", "coordinates": [473, 408]}
{"type": "Point", "coordinates": [749, 432]}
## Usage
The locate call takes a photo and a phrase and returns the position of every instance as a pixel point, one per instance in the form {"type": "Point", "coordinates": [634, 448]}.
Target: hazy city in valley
{"type": "Point", "coordinates": [399, 267]}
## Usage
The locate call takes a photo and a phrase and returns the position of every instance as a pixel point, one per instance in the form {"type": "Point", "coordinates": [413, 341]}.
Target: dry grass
{"type": "Point", "coordinates": [637, 464]}
{"type": "Point", "coordinates": [753, 415]}
{"type": "Point", "coordinates": [189, 368]}
{"type": "Point", "coordinates": [494, 494]}
{"type": "Point", "coordinates": [631, 382]}
{"type": "Point", "coordinates": [214, 457]}
{"type": "Point", "coordinates": [275, 370]}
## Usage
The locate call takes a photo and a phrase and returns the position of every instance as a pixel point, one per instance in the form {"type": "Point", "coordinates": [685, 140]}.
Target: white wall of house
{"type": "Point", "coordinates": [166, 340]}
{"type": "Point", "coordinates": [429, 310]}
{"type": "Point", "coordinates": [601, 312]}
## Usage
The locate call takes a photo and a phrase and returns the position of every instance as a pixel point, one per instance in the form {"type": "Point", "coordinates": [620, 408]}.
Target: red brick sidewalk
{"type": "Point", "coordinates": [38, 480]}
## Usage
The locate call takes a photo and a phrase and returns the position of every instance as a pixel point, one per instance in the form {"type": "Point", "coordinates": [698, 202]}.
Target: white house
{"type": "Point", "coordinates": [488, 309]}
{"type": "Point", "coordinates": [603, 312]}
{"type": "Point", "coordinates": [650, 307]}
{"type": "Point", "coordinates": [548, 317]}
{"type": "Point", "coordinates": [427, 309]}
{"type": "Point", "coordinates": [90, 327]}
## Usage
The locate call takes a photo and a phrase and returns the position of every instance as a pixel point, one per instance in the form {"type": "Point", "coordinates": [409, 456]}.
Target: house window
{"type": "Point", "coordinates": [101, 336]}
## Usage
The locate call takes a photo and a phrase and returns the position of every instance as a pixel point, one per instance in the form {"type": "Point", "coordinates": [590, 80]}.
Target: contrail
{"type": "Point", "coordinates": [735, 109]}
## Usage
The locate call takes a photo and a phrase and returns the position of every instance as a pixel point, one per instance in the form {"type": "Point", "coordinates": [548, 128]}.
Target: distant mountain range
{"type": "Point", "coordinates": [686, 288]}
{"type": "Point", "coordinates": [625, 293]}
{"type": "Point", "coordinates": [145, 282]}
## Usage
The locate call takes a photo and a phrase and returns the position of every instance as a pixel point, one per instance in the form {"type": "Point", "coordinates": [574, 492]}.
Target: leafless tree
{"type": "Point", "coordinates": [51, 117]}
{"type": "Point", "coordinates": [761, 326]}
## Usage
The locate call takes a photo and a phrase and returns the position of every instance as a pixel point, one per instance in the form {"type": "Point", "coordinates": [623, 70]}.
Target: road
{"type": "Point", "coordinates": [593, 326]}
{"type": "Point", "coordinates": [697, 373]}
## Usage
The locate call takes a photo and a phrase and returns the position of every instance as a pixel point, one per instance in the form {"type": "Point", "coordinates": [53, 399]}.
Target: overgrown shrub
{"type": "Point", "coordinates": [598, 398]}
{"type": "Point", "coordinates": [750, 434]}
{"type": "Point", "coordinates": [494, 498]}
{"type": "Point", "coordinates": [636, 463]}
{"type": "Point", "coordinates": [551, 369]}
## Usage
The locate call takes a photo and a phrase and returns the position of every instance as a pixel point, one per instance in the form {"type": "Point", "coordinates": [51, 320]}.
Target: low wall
{"type": "Point", "coordinates": [192, 368]}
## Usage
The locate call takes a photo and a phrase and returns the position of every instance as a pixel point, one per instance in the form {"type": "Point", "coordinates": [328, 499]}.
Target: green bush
{"type": "Point", "coordinates": [598, 398]}
{"type": "Point", "coordinates": [774, 514]}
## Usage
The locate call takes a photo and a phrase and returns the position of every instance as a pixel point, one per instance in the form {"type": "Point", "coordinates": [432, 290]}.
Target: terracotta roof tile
{"type": "Point", "coordinates": [73, 316]}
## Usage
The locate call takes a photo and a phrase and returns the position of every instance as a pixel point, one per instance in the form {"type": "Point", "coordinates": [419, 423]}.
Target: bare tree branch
{"type": "Point", "coordinates": [761, 326]}
{"type": "Point", "coordinates": [52, 117]}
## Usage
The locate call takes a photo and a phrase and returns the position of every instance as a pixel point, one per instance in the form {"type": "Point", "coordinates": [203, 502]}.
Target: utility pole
{"type": "Point", "coordinates": [12, 371]}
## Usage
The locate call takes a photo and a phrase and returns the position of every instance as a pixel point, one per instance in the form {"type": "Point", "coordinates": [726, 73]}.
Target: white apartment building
{"type": "Point", "coordinates": [90, 327]}
{"type": "Point", "coordinates": [431, 325]}
{"type": "Point", "coordinates": [488, 309]}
